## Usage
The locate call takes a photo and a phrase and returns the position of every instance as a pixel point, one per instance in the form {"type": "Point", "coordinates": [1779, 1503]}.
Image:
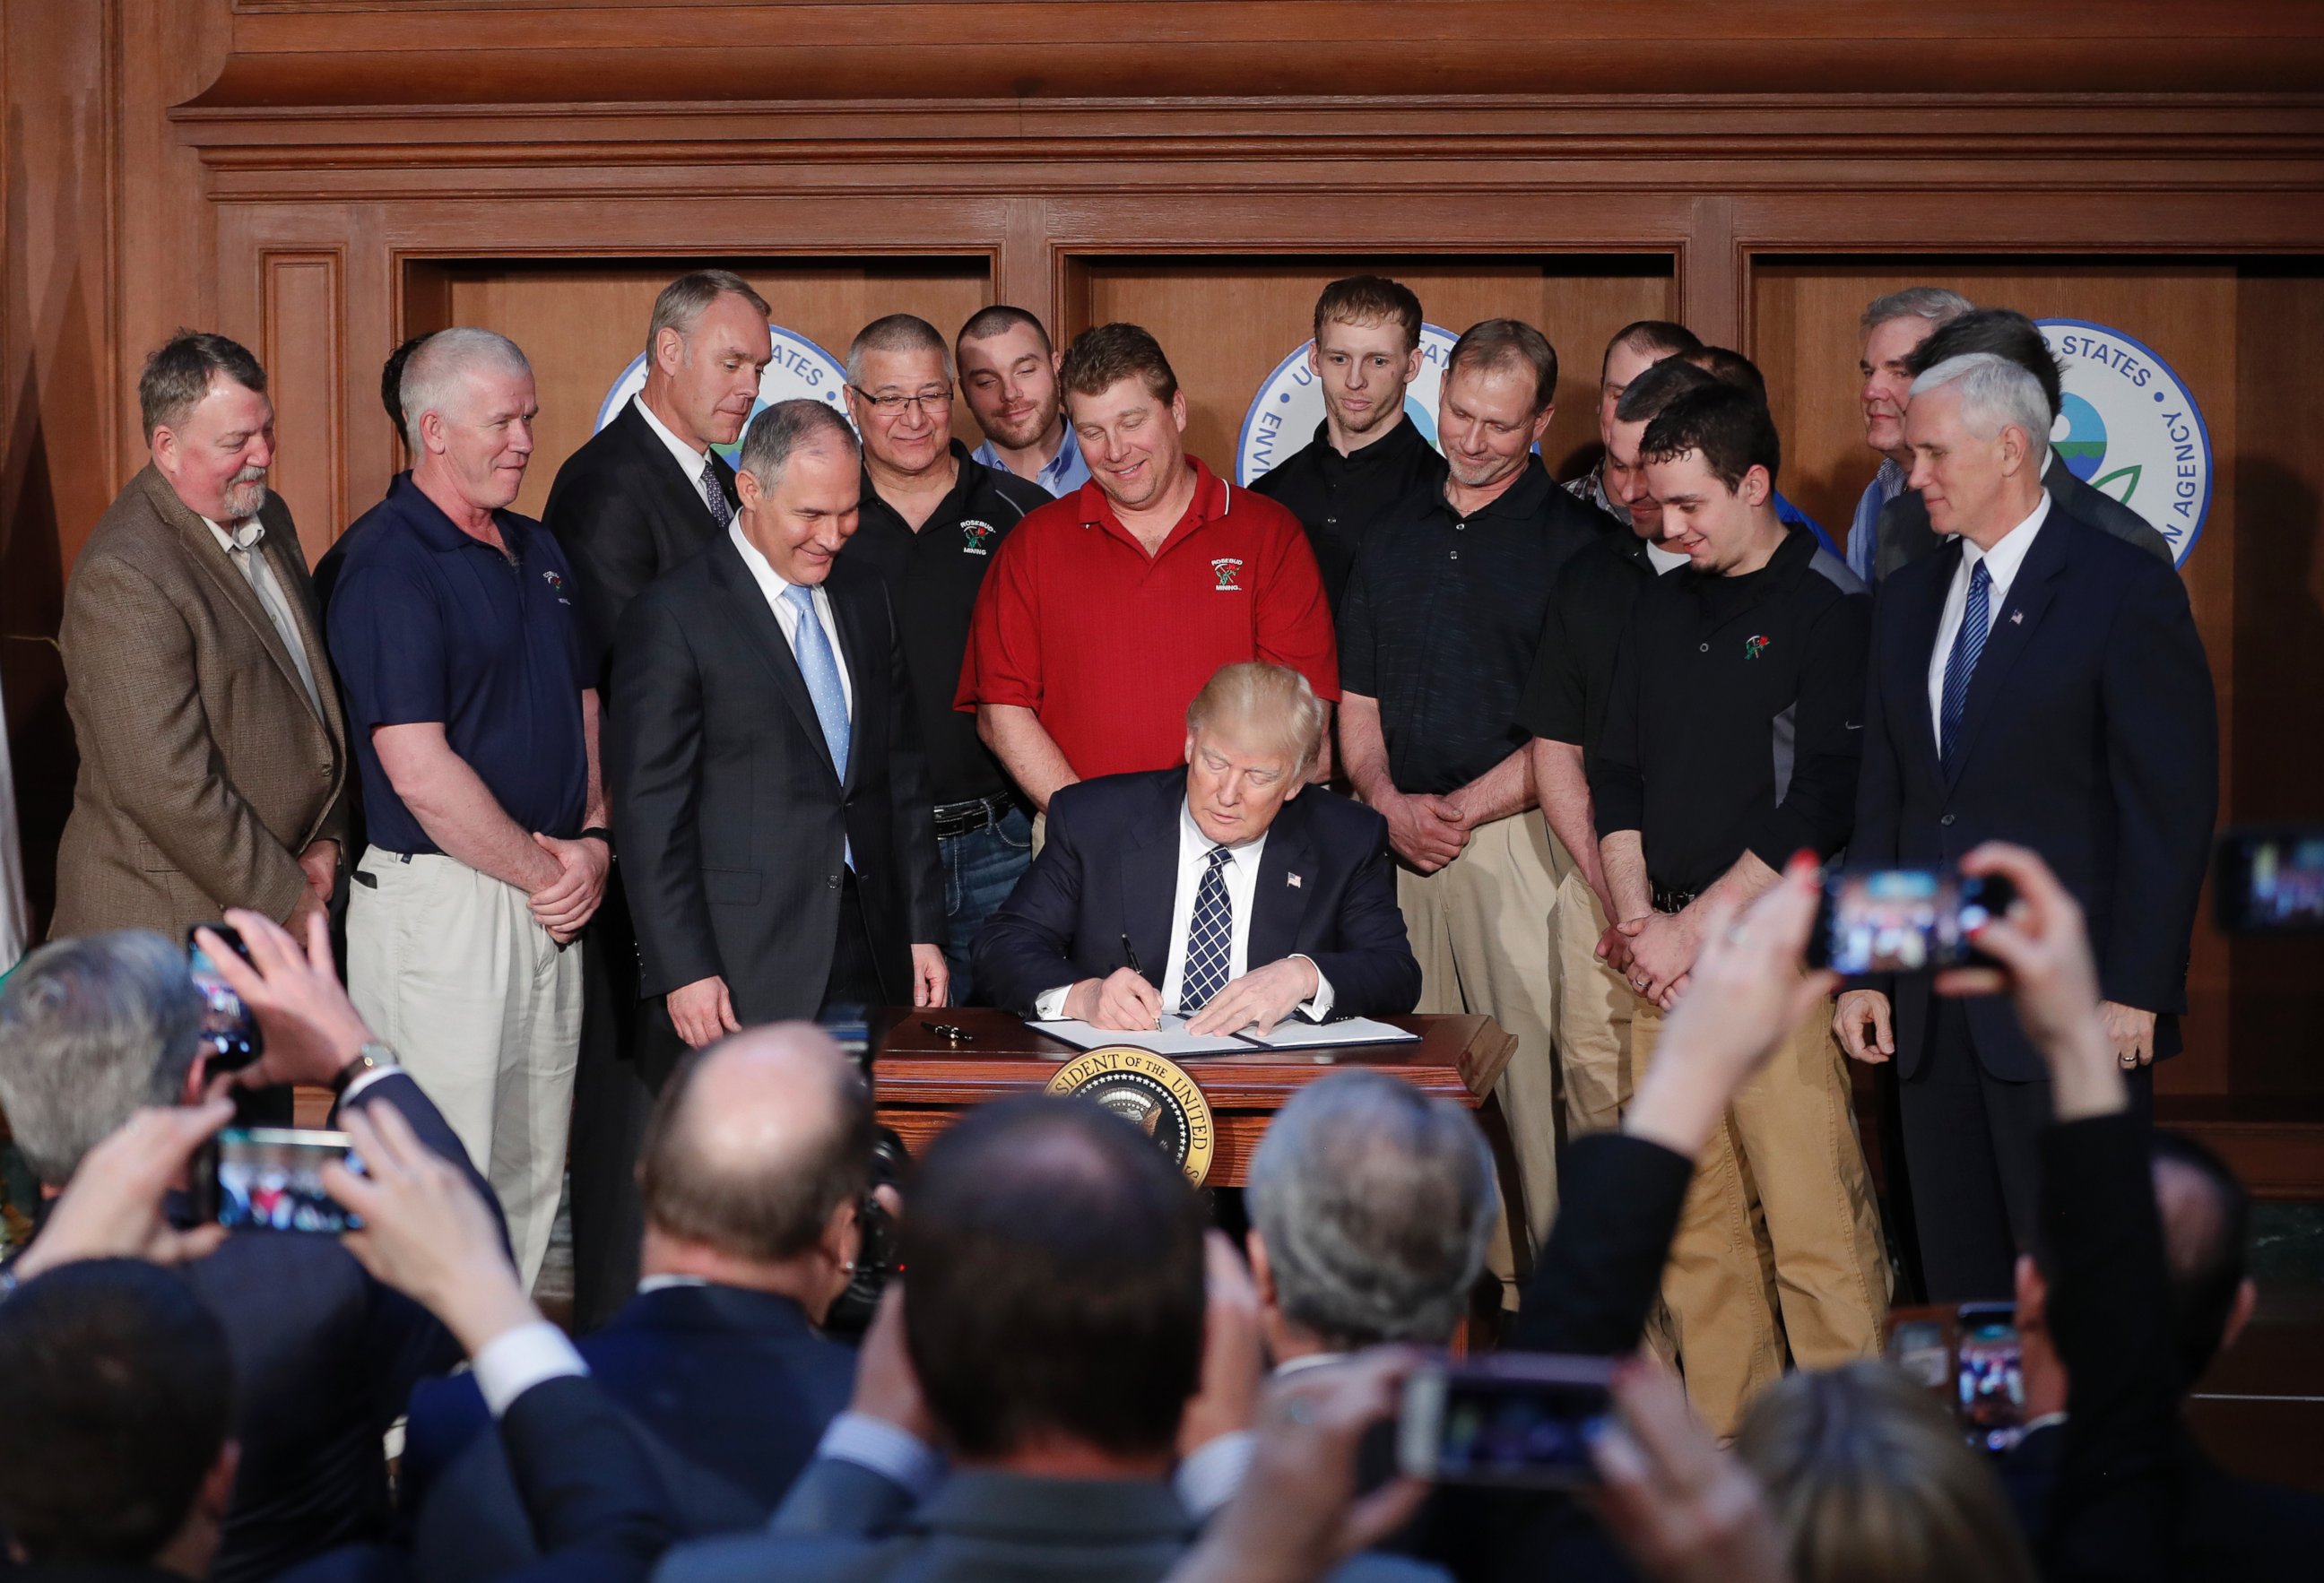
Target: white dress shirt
{"type": "Point", "coordinates": [690, 461]}
{"type": "Point", "coordinates": [771, 583]}
{"type": "Point", "coordinates": [241, 547]}
{"type": "Point", "coordinates": [2001, 563]}
{"type": "Point", "coordinates": [1241, 877]}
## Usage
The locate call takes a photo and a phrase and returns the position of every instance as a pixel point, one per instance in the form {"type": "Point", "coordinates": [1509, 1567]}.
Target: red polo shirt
{"type": "Point", "coordinates": [1107, 645]}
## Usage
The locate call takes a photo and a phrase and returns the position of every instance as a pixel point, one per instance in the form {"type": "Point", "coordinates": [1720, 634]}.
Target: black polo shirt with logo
{"type": "Point", "coordinates": [1340, 499]}
{"type": "Point", "coordinates": [1737, 719]}
{"type": "Point", "coordinates": [932, 576]}
{"type": "Point", "coordinates": [1589, 611]}
{"type": "Point", "coordinates": [1444, 621]}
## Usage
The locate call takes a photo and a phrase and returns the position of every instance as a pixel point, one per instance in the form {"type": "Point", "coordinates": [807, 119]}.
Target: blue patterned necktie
{"type": "Point", "coordinates": [1961, 664]}
{"type": "Point", "coordinates": [820, 667]}
{"type": "Point", "coordinates": [714, 493]}
{"type": "Point", "coordinates": [1210, 938]}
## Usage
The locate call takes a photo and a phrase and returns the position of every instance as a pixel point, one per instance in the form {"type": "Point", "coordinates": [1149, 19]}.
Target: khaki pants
{"type": "Point", "coordinates": [1780, 1240]}
{"type": "Point", "coordinates": [1040, 832]}
{"type": "Point", "coordinates": [1593, 1013]}
{"type": "Point", "coordinates": [448, 966]}
{"type": "Point", "coordinates": [1482, 926]}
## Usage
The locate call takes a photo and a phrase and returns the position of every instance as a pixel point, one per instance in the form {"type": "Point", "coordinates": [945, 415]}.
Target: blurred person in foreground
{"type": "Point", "coordinates": [118, 1385]}
{"type": "Point", "coordinates": [756, 1156]}
{"type": "Point", "coordinates": [324, 1356]}
{"type": "Point", "coordinates": [1854, 1476]}
{"type": "Point", "coordinates": [1053, 1330]}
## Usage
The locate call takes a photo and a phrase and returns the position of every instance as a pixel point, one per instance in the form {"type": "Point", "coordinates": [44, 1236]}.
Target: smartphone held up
{"type": "Point", "coordinates": [1904, 920]}
{"type": "Point", "coordinates": [1514, 1421]}
{"type": "Point", "coordinates": [270, 1179]}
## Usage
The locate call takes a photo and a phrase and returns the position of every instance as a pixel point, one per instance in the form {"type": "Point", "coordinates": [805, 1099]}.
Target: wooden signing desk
{"type": "Point", "coordinates": [923, 1081]}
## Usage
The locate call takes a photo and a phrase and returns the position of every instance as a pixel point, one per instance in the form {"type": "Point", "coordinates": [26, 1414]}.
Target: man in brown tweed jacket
{"type": "Point", "coordinates": [213, 754]}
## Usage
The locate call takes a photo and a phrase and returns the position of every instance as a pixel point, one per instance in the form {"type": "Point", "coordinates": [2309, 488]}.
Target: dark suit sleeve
{"type": "Point", "coordinates": [1819, 806]}
{"type": "Point", "coordinates": [914, 800]}
{"type": "Point", "coordinates": [599, 1514]}
{"type": "Point", "coordinates": [836, 1497]}
{"type": "Point", "coordinates": [404, 1343]}
{"type": "Point", "coordinates": [611, 547]}
{"type": "Point", "coordinates": [653, 766]}
{"type": "Point", "coordinates": [2116, 1503]}
{"type": "Point", "coordinates": [1027, 948]}
{"type": "Point", "coordinates": [2162, 760]}
{"type": "Point", "coordinates": [1880, 777]}
{"type": "Point", "coordinates": [1371, 968]}
{"type": "Point", "coordinates": [1602, 1266]}
{"type": "Point", "coordinates": [1618, 782]}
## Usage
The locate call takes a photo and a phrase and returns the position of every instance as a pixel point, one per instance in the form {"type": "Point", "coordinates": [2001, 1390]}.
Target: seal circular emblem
{"type": "Point", "coordinates": [1289, 405]}
{"type": "Point", "coordinates": [1152, 1094]}
{"type": "Point", "coordinates": [2129, 426]}
{"type": "Point", "coordinates": [800, 369]}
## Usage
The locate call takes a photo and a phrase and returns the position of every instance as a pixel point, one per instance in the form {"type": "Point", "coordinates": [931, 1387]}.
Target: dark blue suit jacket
{"type": "Point", "coordinates": [1109, 870]}
{"type": "Point", "coordinates": [2090, 735]}
{"type": "Point", "coordinates": [728, 1390]}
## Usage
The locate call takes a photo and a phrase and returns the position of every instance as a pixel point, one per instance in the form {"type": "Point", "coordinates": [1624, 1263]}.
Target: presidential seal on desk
{"type": "Point", "coordinates": [1154, 1095]}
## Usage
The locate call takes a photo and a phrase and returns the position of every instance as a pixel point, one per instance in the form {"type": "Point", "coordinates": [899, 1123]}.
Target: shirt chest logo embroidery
{"type": "Point", "coordinates": [1754, 647]}
{"type": "Point", "coordinates": [1226, 570]}
{"type": "Point", "coordinates": [556, 585]}
{"type": "Point", "coordinates": [975, 537]}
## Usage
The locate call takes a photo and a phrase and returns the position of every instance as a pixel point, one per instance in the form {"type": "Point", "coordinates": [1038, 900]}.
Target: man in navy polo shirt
{"type": "Point", "coordinates": [468, 674]}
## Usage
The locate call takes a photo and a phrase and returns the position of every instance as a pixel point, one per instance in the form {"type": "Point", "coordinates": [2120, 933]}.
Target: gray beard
{"type": "Point", "coordinates": [257, 497]}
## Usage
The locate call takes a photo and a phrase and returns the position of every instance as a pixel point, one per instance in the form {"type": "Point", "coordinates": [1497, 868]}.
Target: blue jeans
{"type": "Point", "coordinates": [981, 869]}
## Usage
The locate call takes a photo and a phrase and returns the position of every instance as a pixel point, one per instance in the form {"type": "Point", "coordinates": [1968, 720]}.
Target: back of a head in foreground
{"type": "Point", "coordinates": [1053, 1286]}
{"type": "Point", "coordinates": [2206, 1214]}
{"type": "Point", "coordinates": [1871, 1482]}
{"type": "Point", "coordinates": [1374, 1202]}
{"type": "Point", "coordinates": [115, 1392]}
{"type": "Point", "coordinates": [756, 1141]}
{"type": "Point", "coordinates": [91, 1028]}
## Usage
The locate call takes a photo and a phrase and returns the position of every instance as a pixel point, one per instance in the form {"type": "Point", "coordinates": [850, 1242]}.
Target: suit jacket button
{"type": "Point", "coordinates": [1947, 819]}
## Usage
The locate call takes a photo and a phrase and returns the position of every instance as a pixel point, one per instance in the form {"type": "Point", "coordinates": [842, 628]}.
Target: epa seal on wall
{"type": "Point", "coordinates": [800, 369]}
{"type": "Point", "coordinates": [2128, 425]}
{"type": "Point", "coordinates": [1154, 1095]}
{"type": "Point", "coordinates": [1289, 405]}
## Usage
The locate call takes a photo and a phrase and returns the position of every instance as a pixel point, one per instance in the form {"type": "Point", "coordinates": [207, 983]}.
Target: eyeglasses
{"type": "Point", "coordinates": [893, 406]}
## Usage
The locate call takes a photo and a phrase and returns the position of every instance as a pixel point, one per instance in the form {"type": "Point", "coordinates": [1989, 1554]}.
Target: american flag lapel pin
{"type": "Point", "coordinates": [1292, 880]}
{"type": "Point", "coordinates": [2017, 618]}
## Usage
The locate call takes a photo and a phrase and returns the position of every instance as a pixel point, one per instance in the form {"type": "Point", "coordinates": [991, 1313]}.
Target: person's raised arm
{"type": "Point", "coordinates": [113, 1206]}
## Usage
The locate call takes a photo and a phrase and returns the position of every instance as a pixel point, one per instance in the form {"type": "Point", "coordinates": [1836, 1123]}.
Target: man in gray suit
{"type": "Point", "coordinates": [1053, 1336]}
{"type": "Point", "coordinates": [1905, 535]}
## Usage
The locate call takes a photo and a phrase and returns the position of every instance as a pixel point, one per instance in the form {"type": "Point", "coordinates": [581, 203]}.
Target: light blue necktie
{"type": "Point", "coordinates": [1210, 938]}
{"type": "Point", "coordinates": [1961, 664]}
{"type": "Point", "coordinates": [820, 666]}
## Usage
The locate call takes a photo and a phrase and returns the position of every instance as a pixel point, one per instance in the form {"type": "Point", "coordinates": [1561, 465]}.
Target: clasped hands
{"type": "Point", "coordinates": [1426, 831]}
{"type": "Point", "coordinates": [566, 899]}
{"type": "Point", "coordinates": [1262, 997]}
{"type": "Point", "coordinates": [1656, 952]}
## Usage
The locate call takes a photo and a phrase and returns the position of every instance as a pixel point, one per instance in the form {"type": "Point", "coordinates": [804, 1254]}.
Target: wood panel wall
{"type": "Point", "coordinates": [320, 177]}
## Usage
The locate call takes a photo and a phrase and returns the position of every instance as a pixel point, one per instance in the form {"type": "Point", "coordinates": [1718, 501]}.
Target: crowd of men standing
{"type": "Point", "coordinates": [819, 700]}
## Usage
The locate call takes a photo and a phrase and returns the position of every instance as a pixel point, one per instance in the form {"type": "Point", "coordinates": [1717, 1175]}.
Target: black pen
{"type": "Point", "coordinates": [1129, 957]}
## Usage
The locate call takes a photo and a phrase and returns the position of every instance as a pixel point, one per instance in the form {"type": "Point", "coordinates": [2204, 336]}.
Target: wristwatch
{"type": "Point", "coordinates": [372, 1056]}
{"type": "Point", "coordinates": [600, 833]}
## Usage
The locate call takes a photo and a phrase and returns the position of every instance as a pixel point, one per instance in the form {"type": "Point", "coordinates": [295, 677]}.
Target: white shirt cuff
{"type": "Point", "coordinates": [1318, 1006]}
{"type": "Point", "coordinates": [364, 1082]}
{"type": "Point", "coordinates": [1208, 1478]}
{"type": "Point", "coordinates": [1050, 1004]}
{"type": "Point", "coordinates": [895, 1454]}
{"type": "Point", "coordinates": [515, 1361]}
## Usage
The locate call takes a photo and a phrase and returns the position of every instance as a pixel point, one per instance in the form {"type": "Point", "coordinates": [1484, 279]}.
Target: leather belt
{"type": "Point", "coordinates": [1673, 901]}
{"type": "Point", "coordinates": [967, 818]}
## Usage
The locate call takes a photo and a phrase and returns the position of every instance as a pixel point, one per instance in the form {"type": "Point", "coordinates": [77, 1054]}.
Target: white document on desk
{"type": "Point", "coordinates": [1295, 1034]}
{"type": "Point", "coordinates": [1170, 1039]}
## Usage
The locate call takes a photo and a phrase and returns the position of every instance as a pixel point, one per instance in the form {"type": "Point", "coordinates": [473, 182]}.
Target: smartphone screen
{"type": "Point", "coordinates": [1904, 920]}
{"type": "Point", "coordinates": [228, 1030]}
{"type": "Point", "coordinates": [270, 1179]}
{"type": "Point", "coordinates": [1515, 1422]}
{"type": "Point", "coordinates": [2270, 882]}
{"type": "Point", "coordinates": [1988, 1379]}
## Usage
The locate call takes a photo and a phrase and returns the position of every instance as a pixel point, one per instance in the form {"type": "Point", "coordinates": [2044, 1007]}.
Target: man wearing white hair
{"type": "Point", "coordinates": [1230, 892]}
{"type": "Point", "coordinates": [471, 698]}
{"type": "Point", "coordinates": [2036, 680]}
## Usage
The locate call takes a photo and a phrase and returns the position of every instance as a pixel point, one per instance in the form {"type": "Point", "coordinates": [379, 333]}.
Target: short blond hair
{"type": "Point", "coordinates": [1271, 695]}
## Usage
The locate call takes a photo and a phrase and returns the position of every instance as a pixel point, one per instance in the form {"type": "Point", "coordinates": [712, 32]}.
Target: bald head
{"type": "Point", "coordinates": [756, 1142]}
